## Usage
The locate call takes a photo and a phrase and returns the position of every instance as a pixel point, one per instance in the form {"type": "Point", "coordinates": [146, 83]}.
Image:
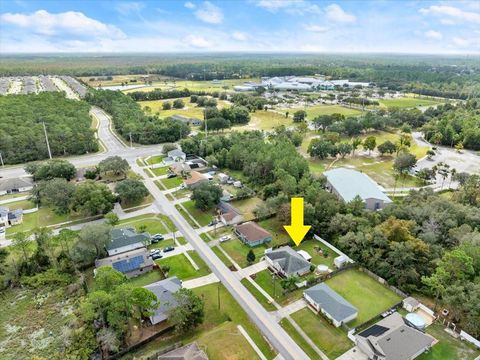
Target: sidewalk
{"type": "Point", "coordinates": [201, 281]}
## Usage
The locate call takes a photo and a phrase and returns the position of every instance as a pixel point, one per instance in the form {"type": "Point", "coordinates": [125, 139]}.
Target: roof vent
{"type": "Point", "coordinates": [388, 339]}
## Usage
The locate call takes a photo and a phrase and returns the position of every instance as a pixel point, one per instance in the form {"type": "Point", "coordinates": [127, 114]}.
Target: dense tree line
{"type": "Point", "coordinates": [452, 125]}
{"type": "Point", "coordinates": [131, 122]}
{"type": "Point", "coordinates": [159, 94]}
{"type": "Point", "coordinates": [22, 137]}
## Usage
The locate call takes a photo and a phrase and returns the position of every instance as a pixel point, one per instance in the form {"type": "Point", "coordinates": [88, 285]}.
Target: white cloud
{"type": "Point", "coordinates": [316, 28]}
{"type": "Point", "coordinates": [452, 12]}
{"type": "Point", "coordinates": [189, 5]}
{"type": "Point", "coordinates": [462, 42]}
{"type": "Point", "coordinates": [126, 8]}
{"type": "Point", "coordinates": [198, 41]}
{"type": "Point", "coordinates": [70, 22]}
{"type": "Point", "coordinates": [432, 34]}
{"type": "Point", "coordinates": [209, 13]}
{"type": "Point", "coordinates": [335, 13]}
{"type": "Point", "coordinates": [240, 36]}
{"type": "Point", "coordinates": [294, 7]}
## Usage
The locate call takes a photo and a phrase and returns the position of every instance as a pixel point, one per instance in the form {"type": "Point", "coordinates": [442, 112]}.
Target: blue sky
{"type": "Point", "coordinates": [250, 25]}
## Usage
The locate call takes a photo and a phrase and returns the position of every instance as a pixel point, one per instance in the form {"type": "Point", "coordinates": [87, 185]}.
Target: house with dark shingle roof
{"type": "Point", "coordinates": [326, 301]}
{"type": "Point", "coordinates": [15, 185]}
{"type": "Point", "coordinates": [187, 352]}
{"type": "Point", "coordinates": [252, 234]}
{"type": "Point", "coordinates": [164, 290]}
{"type": "Point", "coordinates": [393, 339]}
{"type": "Point", "coordinates": [126, 239]}
{"type": "Point", "coordinates": [131, 263]}
{"type": "Point", "coordinates": [287, 262]}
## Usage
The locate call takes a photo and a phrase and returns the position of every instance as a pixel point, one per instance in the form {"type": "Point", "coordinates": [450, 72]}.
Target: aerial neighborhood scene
{"type": "Point", "coordinates": [239, 180]}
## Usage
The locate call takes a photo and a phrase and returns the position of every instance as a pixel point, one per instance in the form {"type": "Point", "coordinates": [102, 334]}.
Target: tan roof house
{"type": "Point", "coordinates": [195, 179]}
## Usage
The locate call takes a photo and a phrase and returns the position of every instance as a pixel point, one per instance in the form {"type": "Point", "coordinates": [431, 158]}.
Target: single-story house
{"type": "Point", "coordinates": [326, 301]}
{"type": "Point", "coordinates": [229, 215]}
{"type": "Point", "coordinates": [195, 179]}
{"type": "Point", "coordinates": [186, 120]}
{"type": "Point", "coordinates": [10, 217]}
{"type": "Point", "coordinates": [131, 263]}
{"type": "Point", "coordinates": [177, 155]}
{"type": "Point", "coordinates": [347, 184]}
{"type": "Point", "coordinates": [252, 234]}
{"type": "Point", "coordinates": [164, 290]}
{"type": "Point", "coordinates": [126, 239]}
{"type": "Point", "coordinates": [287, 262]}
{"type": "Point", "coordinates": [393, 339]}
{"type": "Point", "coordinates": [187, 352]}
{"type": "Point", "coordinates": [15, 185]}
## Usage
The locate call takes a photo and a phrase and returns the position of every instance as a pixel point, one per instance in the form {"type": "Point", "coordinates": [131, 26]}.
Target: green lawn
{"type": "Point", "coordinates": [170, 183]}
{"type": "Point", "coordinates": [215, 234]}
{"type": "Point", "coordinates": [367, 295]}
{"type": "Point", "coordinates": [448, 348]}
{"type": "Point", "coordinates": [160, 171]}
{"type": "Point", "coordinates": [246, 206]}
{"type": "Point", "coordinates": [148, 278]}
{"type": "Point", "coordinates": [311, 246]}
{"type": "Point", "coordinates": [265, 120]}
{"type": "Point", "coordinates": [258, 295]}
{"type": "Point", "coordinates": [331, 340]}
{"type": "Point", "coordinates": [151, 221]}
{"type": "Point", "coordinates": [204, 269]}
{"type": "Point", "coordinates": [202, 217]}
{"type": "Point", "coordinates": [13, 196]}
{"type": "Point", "coordinates": [299, 339]}
{"type": "Point", "coordinates": [155, 159]}
{"type": "Point", "coordinates": [221, 256]}
{"type": "Point", "coordinates": [238, 251]}
{"type": "Point", "coordinates": [408, 102]}
{"type": "Point", "coordinates": [223, 315]}
{"type": "Point", "coordinates": [182, 268]}
{"type": "Point", "coordinates": [181, 193]}
{"type": "Point", "coordinates": [22, 204]}
{"type": "Point", "coordinates": [273, 288]}
{"type": "Point", "coordinates": [147, 200]}
{"type": "Point", "coordinates": [317, 110]}
{"type": "Point", "coordinates": [274, 226]}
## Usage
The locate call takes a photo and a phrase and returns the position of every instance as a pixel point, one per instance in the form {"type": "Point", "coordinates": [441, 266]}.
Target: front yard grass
{"type": "Point", "coordinates": [299, 339]}
{"type": "Point", "coordinates": [160, 171]}
{"type": "Point", "coordinates": [152, 222]}
{"type": "Point", "coordinates": [155, 159]}
{"type": "Point", "coordinates": [170, 183]}
{"type": "Point", "coordinates": [331, 340]}
{"type": "Point", "coordinates": [366, 294]}
{"type": "Point", "coordinates": [182, 268]}
{"type": "Point", "coordinates": [238, 251]}
{"type": "Point", "coordinates": [258, 295]}
{"type": "Point", "coordinates": [202, 217]}
{"type": "Point", "coordinates": [274, 289]}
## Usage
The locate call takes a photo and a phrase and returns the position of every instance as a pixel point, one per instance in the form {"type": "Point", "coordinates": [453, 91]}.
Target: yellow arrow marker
{"type": "Point", "coordinates": [297, 230]}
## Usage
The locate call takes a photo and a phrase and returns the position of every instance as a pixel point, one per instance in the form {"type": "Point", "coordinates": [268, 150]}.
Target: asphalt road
{"type": "Point", "coordinates": [266, 323]}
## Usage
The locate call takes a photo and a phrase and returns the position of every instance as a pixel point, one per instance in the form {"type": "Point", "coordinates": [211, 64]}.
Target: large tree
{"type": "Point", "coordinates": [56, 193]}
{"type": "Point", "coordinates": [206, 195]}
{"type": "Point", "coordinates": [50, 169]}
{"type": "Point", "coordinates": [91, 243]}
{"type": "Point", "coordinates": [115, 165]}
{"type": "Point", "coordinates": [92, 198]}
{"type": "Point", "coordinates": [188, 313]}
{"type": "Point", "coordinates": [131, 191]}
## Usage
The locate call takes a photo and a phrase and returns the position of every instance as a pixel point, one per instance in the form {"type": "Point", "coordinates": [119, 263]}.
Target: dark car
{"type": "Point", "coordinates": [213, 222]}
{"type": "Point", "coordinates": [171, 175]}
{"type": "Point", "coordinates": [168, 249]}
{"type": "Point", "coordinates": [156, 238]}
{"type": "Point", "coordinates": [156, 256]}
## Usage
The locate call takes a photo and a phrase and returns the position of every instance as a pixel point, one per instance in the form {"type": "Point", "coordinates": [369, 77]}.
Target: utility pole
{"type": "Point", "coordinates": [46, 139]}
{"type": "Point", "coordinates": [1, 159]}
{"type": "Point", "coordinates": [130, 135]}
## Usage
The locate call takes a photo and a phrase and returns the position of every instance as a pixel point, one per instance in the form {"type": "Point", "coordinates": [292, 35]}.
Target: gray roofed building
{"type": "Point", "coordinates": [10, 217]}
{"type": "Point", "coordinates": [393, 339]}
{"type": "Point", "coordinates": [177, 154]}
{"type": "Point", "coordinates": [347, 184]}
{"type": "Point", "coordinates": [287, 262]}
{"type": "Point", "coordinates": [164, 290]}
{"type": "Point", "coordinates": [131, 263]}
{"type": "Point", "coordinates": [122, 240]}
{"type": "Point", "coordinates": [323, 299]}
{"type": "Point", "coordinates": [252, 234]}
{"type": "Point", "coordinates": [14, 185]}
{"type": "Point", "coordinates": [229, 214]}
{"type": "Point", "coordinates": [187, 352]}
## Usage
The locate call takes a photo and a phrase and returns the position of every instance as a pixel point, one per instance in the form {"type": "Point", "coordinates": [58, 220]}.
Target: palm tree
{"type": "Point", "coordinates": [453, 172]}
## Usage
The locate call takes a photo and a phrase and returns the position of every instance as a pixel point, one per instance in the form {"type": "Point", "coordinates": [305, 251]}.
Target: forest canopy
{"type": "Point", "coordinates": [22, 137]}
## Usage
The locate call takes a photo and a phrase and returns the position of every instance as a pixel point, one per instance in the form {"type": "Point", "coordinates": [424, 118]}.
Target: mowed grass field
{"type": "Point", "coordinates": [265, 120]}
{"type": "Point", "coordinates": [317, 110]}
{"type": "Point", "coordinates": [367, 295]}
{"type": "Point", "coordinates": [190, 110]}
{"type": "Point", "coordinates": [408, 102]}
{"type": "Point", "coordinates": [207, 86]}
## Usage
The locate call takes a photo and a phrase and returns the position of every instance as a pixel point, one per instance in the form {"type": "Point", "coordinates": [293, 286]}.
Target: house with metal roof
{"type": "Point", "coordinates": [126, 239]}
{"type": "Point", "coordinates": [326, 301]}
{"type": "Point", "coordinates": [252, 234]}
{"type": "Point", "coordinates": [164, 290]}
{"type": "Point", "coordinates": [392, 338]}
{"type": "Point", "coordinates": [131, 263]}
{"type": "Point", "coordinates": [347, 184]}
{"type": "Point", "coordinates": [287, 262]}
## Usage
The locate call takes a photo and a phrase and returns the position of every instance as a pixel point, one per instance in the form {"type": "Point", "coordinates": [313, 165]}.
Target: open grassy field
{"type": "Point", "coordinates": [331, 340]}
{"type": "Point", "coordinates": [224, 315]}
{"type": "Point", "coordinates": [181, 267]}
{"type": "Point", "coordinates": [367, 295]}
{"type": "Point", "coordinates": [448, 348]}
{"type": "Point", "coordinates": [238, 251]}
{"type": "Point", "coordinates": [207, 86]}
{"type": "Point", "coordinates": [246, 206]}
{"type": "Point", "coordinates": [265, 120]}
{"type": "Point", "coordinates": [152, 222]}
{"type": "Point", "coordinates": [202, 217]}
{"type": "Point", "coordinates": [190, 109]}
{"type": "Point", "coordinates": [317, 110]}
{"type": "Point", "coordinates": [274, 227]}
{"type": "Point", "coordinates": [408, 102]}
{"type": "Point", "coordinates": [160, 171]}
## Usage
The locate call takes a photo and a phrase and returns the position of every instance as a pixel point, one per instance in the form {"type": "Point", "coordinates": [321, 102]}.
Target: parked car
{"type": "Point", "coordinates": [154, 251]}
{"type": "Point", "coordinates": [157, 256]}
{"type": "Point", "coordinates": [168, 249]}
{"type": "Point", "coordinates": [225, 238]}
{"type": "Point", "coordinates": [171, 175]}
{"type": "Point", "coordinates": [156, 238]}
{"type": "Point", "coordinates": [213, 222]}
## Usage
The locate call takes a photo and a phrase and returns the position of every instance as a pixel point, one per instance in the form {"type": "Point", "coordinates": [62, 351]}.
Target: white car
{"type": "Point", "coordinates": [225, 238]}
{"type": "Point", "coordinates": [155, 251]}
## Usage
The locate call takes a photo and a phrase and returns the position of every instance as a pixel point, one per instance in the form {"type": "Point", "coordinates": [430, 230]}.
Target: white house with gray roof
{"type": "Point", "coordinates": [326, 301]}
{"type": "Point", "coordinates": [126, 239]}
{"type": "Point", "coordinates": [347, 184]}
{"type": "Point", "coordinates": [164, 290]}
{"type": "Point", "coordinates": [287, 262]}
{"type": "Point", "coordinates": [393, 339]}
